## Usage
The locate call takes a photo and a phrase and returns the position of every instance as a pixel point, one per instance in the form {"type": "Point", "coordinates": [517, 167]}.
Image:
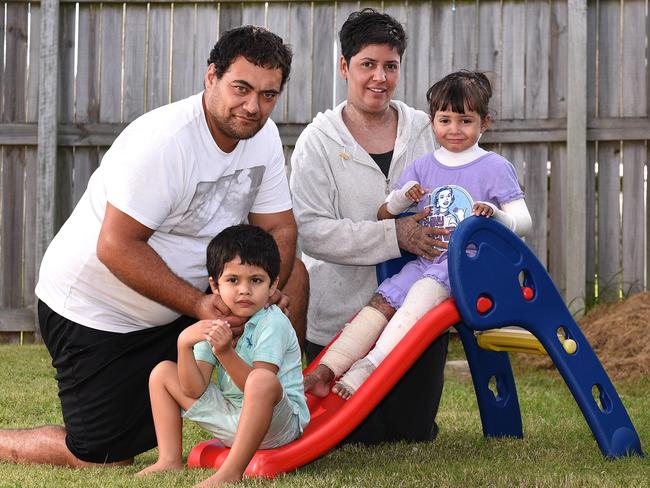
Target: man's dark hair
{"type": "Point", "coordinates": [370, 27]}
{"type": "Point", "coordinates": [251, 244]}
{"type": "Point", "coordinates": [258, 45]}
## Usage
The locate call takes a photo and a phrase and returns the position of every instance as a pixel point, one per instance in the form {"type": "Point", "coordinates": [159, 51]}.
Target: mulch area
{"type": "Point", "coordinates": [618, 334]}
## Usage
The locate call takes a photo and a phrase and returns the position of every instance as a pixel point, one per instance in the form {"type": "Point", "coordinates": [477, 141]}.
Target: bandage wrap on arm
{"type": "Point", "coordinates": [355, 341]}
{"type": "Point", "coordinates": [514, 215]}
{"type": "Point", "coordinates": [397, 201]}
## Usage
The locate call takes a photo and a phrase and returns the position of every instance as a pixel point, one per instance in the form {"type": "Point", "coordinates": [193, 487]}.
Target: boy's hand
{"type": "Point", "coordinates": [415, 193]}
{"type": "Point", "coordinates": [195, 333]}
{"type": "Point", "coordinates": [220, 337]}
{"type": "Point", "coordinates": [482, 209]}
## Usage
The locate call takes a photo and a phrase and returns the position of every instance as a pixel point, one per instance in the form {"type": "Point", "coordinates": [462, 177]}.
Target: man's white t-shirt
{"type": "Point", "coordinates": [166, 171]}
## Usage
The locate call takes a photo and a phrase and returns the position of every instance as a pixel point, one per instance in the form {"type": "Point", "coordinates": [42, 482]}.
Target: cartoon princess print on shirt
{"type": "Point", "coordinates": [449, 204]}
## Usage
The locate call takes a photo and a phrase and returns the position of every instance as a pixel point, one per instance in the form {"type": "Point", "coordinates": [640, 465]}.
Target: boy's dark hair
{"type": "Point", "coordinates": [258, 45]}
{"type": "Point", "coordinates": [370, 27]}
{"type": "Point", "coordinates": [460, 91]}
{"type": "Point", "coordinates": [251, 244]}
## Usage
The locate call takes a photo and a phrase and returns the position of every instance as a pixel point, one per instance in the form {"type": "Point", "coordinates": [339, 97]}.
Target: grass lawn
{"type": "Point", "coordinates": [558, 448]}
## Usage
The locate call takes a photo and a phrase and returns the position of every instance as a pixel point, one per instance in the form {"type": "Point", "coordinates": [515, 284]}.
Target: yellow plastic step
{"type": "Point", "coordinates": [510, 340]}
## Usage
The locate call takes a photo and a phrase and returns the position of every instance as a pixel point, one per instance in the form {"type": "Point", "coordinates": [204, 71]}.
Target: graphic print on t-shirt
{"type": "Point", "coordinates": [222, 203]}
{"type": "Point", "coordinates": [449, 204]}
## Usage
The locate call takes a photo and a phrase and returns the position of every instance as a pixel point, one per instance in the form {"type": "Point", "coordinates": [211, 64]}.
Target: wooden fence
{"type": "Point", "coordinates": [571, 107]}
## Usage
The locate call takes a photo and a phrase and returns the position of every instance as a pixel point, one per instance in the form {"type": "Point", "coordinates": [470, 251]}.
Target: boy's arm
{"type": "Point", "coordinates": [193, 375]}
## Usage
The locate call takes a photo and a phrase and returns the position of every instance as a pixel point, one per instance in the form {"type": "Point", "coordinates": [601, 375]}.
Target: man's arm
{"type": "Point", "coordinates": [122, 247]}
{"type": "Point", "coordinates": [282, 226]}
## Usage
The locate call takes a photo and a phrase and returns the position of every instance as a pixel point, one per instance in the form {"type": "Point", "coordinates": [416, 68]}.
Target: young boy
{"type": "Point", "coordinates": [265, 364]}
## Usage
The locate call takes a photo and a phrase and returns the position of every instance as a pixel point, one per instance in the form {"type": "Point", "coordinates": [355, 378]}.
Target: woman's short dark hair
{"type": "Point", "coordinates": [460, 91]}
{"type": "Point", "coordinates": [258, 45]}
{"type": "Point", "coordinates": [370, 27]}
{"type": "Point", "coordinates": [251, 244]}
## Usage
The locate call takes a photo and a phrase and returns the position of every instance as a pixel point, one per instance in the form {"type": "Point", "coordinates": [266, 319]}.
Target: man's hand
{"type": "Point", "coordinates": [281, 300]}
{"type": "Point", "coordinates": [419, 239]}
{"type": "Point", "coordinates": [212, 307]}
{"type": "Point", "coordinates": [220, 337]}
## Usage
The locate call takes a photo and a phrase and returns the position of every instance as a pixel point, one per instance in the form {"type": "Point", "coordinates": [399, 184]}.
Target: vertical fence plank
{"type": "Point", "coordinates": [13, 161]}
{"type": "Point", "coordinates": [87, 89]}
{"type": "Point", "coordinates": [557, 95]}
{"type": "Point", "coordinates": [633, 220]}
{"type": "Point", "coordinates": [87, 80]}
{"type": "Point", "coordinates": [278, 23]}
{"type": "Point", "coordinates": [158, 56]}
{"type": "Point", "coordinates": [609, 153]}
{"type": "Point", "coordinates": [590, 228]}
{"type": "Point", "coordinates": [513, 60]}
{"type": "Point", "coordinates": [536, 157]}
{"type": "Point", "coordinates": [417, 59]}
{"type": "Point", "coordinates": [634, 104]}
{"type": "Point", "coordinates": [254, 14]}
{"type": "Point", "coordinates": [489, 49]}
{"type": "Point", "coordinates": [442, 40]}
{"type": "Point", "coordinates": [466, 34]}
{"type": "Point", "coordinates": [206, 36]}
{"type": "Point", "coordinates": [110, 78]}
{"type": "Point", "coordinates": [574, 223]}
{"type": "Point", "coordinates": [230, 15]}
{"type": "Point", "coordinates": [299, 103]}
{"type": "Point", "coordinates": [323, 74]}
{"type": "Point", "coordinates": [182, 51]}
{"type": "Point", "coordinates": [135, 38]}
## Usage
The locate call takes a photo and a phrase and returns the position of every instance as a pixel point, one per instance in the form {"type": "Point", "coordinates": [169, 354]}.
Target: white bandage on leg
{"type": "Point", "coordinates": [425, 294]}
{"type": "Point", "coordinates": [355, 341]}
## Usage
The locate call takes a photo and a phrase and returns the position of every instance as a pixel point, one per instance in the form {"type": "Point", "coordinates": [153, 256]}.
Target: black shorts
{"type": "Point", "coordinates": [103, 384]}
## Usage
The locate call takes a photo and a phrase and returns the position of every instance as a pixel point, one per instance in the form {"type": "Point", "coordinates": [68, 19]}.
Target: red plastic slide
{"type": "Point", "coordinates": [333, 418]}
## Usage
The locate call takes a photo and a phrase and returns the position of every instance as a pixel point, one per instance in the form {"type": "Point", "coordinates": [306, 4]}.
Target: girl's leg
{"type": "Point", "coordinates": [167, 399]}
{"type": "Point", "coordinates": [262, 392]}
{"type": "Point", "coordinates": [425, 294]}
{"type": "Point", "coordinates": [355, 341]}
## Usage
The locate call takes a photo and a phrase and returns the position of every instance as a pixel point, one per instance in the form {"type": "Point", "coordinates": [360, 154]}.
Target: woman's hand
{"type": "Point", "coordinates": [419, 239]}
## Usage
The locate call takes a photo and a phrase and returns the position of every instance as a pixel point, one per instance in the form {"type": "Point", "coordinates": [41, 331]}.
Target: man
{"type": "Point", "coordinates": [127, 272]}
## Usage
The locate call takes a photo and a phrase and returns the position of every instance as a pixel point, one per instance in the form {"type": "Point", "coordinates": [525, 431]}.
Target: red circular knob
{"type": "Point", "coordinates": [483, 305]}
{"type": "Point", "coordinates": [528, 293]}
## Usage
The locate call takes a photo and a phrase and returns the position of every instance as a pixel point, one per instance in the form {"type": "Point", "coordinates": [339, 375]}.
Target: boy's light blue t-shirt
{"type": "Point", "coordinates": [268, 336]}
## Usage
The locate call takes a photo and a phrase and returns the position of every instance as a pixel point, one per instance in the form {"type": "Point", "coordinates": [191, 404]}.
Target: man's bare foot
{"type": "Point", "coordinates": [159, 466]}
{"type": "Point", "coordinates": [318, 381]}
{"type": "Point", "coordinates": [354, 378]}
{"type": "Point", "coordinates": [220, 478]}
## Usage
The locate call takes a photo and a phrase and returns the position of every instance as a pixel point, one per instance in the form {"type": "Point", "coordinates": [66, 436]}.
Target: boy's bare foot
{"type": "Point", "coordinates": [159, 467]}
{"type": "Point", "coordinates": [220, 478]}
{"type": "Point", "coordinates": [354, 378]}
{"type": "Point", "coordinates": [318, 381]}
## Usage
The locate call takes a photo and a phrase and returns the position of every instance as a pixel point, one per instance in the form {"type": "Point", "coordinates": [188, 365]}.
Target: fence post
{"type": "Point", "coordinates": [576, 177]}
{"type": "Point", "coordinates": [47, 128]}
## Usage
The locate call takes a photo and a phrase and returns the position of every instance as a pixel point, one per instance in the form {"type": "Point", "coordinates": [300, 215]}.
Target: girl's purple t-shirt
{"type": "Point", "coordinates": [452, 193]}
{"type": "Point", "coordinates": [453, 190]}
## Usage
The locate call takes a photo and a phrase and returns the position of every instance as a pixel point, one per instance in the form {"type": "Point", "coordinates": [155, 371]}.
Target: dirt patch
{"type": "Point", "coordinates": [618, 334]}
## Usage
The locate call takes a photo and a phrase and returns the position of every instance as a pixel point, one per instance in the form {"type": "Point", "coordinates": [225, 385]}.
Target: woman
{"type": "Point", "coordinates": [343, 166]}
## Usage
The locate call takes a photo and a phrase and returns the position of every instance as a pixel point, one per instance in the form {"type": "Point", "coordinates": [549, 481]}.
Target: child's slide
{"type": "Point", "coordinates": [333, 418]}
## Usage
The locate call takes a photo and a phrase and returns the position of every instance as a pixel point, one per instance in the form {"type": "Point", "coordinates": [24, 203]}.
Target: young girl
{"type": "Point", "coordinates": [455, 181]}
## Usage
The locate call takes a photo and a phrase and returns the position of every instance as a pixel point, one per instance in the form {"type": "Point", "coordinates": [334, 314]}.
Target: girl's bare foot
{"type": "Point", "coordinates": [318, 381]}
{"type": "Point", "coordinates": [354, 378]}
{"type": "Point", "coordinates": [160, 466]}
{"type": "Point", "coordinates": [220, 478]}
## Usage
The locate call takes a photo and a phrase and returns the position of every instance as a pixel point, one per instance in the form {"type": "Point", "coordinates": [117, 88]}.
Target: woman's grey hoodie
{"type": "Point", "coordinates": [337, 189]}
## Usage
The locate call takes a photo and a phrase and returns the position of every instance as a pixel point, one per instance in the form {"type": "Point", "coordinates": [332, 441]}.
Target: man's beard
{"type": "Point", "coordinates": [230, 128]}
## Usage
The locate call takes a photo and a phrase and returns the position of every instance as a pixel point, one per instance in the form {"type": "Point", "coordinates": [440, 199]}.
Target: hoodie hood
{"type": "Point", "coordinates": [331, 124]}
